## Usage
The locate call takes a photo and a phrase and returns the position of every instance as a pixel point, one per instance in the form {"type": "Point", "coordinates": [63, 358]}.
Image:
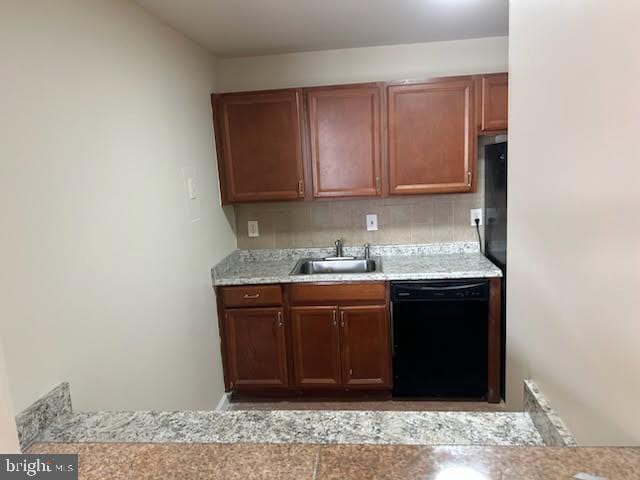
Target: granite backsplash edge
{"type": "Point", "coordinates": [32, 421]}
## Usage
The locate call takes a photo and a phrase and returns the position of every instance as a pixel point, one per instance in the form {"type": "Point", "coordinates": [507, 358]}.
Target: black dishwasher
{"type": "Point", "coordinates": [440, 338]}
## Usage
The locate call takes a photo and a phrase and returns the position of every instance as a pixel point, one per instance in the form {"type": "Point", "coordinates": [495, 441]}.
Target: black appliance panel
{"type": "Point", "coordinates": [440, 339]}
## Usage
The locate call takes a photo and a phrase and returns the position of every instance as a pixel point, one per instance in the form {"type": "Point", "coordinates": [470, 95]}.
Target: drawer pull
{"type": "Point", "coordinates": [280, 319]}
{"type": "Point", "coordinates": [342, 319]}
{"type": "Point", "coordinates": [250, 296]}
{"type": "Point", "coordinates": [333, 316]}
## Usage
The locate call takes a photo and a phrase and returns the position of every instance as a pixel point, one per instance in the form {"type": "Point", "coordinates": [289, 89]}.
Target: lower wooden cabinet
{"type": "Point", "coordinates": [365, 346]}
{"type": "Point", "coordinates": [341, 347]}
{"type": "Point", "coordinates": [316, 347]}
{"type": "Point", "coordinates": [305, 338]}
{"type": "Point", "coordinates": [256, 348]}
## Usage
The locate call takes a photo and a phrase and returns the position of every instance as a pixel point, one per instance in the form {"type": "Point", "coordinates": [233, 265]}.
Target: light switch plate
{"type": "Point", "coordinates": [191, 188]}
{"type": "Point", "coordinates": [372, 222]}
{"type": "Point", "coordinates": [252, 227]}
{"type": "Point", "coordinates": [192, 197]}
{"type": "Point", "coordinates": [475, 213]}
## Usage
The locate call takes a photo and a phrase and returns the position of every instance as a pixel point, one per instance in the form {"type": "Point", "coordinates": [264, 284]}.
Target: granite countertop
{"type": "Point", "coordinates": [399, 262]}
{"type": "Point", "coordinates": [291, 426]}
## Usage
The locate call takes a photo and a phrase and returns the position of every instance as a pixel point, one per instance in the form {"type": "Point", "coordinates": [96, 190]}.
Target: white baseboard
{"type": "Point", "coordinates": [223, 404]}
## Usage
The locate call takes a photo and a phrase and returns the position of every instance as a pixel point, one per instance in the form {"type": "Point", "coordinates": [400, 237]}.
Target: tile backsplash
{"type": "Point", "coordinates": [401, 220]}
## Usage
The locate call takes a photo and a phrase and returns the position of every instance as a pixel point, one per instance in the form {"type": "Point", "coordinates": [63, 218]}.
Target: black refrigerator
{"type": "Point", "coordinates": [495, 243]}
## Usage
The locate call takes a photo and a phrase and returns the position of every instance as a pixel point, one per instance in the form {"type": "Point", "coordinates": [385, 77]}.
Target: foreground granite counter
{"type": "Point", "coordinates": [99, 461]}
{"type": "Point", "coordinates": [314, 427]}
{"type": "Point", "coordinates": [399, 262]}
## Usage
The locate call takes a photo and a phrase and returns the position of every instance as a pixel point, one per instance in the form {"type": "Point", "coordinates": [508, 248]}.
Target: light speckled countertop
{"type": "Point", "coordinates": [321, 427]}
{"type": "Point", "coordinates": [399, 262]}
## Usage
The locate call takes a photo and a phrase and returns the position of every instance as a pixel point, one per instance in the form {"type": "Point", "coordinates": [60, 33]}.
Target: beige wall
{"type": "Point", "coordinates": [350, 65]}
{"type": "Point", "coordinates": [8, 433]}
{"type": "Point", "coordinates": [105, 281]}
{"type": "Point", "coordinates": [574, 238]}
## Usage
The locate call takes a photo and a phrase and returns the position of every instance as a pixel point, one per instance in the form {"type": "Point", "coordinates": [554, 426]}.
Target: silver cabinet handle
{"type": "Point", "coordinates": [251, 296]}
{"type": "Point", "coordinates": [342, 319]}
{"type": "Point", "coordinates": [333, 316]}
{"type": "Point", "coordinates": [280, 319]}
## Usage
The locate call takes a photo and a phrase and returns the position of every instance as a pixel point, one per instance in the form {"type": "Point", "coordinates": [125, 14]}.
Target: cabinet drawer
{"type": "Point", "coordinates": [337, 293]}
{"type": "Point", "coordinates": [252, 296]}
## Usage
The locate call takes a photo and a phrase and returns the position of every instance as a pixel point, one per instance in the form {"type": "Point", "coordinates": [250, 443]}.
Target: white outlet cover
{"type": "Point", "coordinates": [372, 222]}
{"type": "Point", "coordinates": [475, 213]}
{"type": "Point", "coordinates": [252, 227]}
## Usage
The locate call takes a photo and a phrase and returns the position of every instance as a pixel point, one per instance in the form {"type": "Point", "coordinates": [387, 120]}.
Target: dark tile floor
{"type": "Point", "coordinates": [368, 405]}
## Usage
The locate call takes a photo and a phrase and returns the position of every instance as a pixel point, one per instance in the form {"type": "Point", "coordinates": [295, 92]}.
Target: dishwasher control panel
{"type": "Point", "coordinates": [440, 290]}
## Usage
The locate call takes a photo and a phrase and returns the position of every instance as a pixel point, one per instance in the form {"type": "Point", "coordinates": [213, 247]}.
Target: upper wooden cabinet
{"type": "Point", "coordinates": [492, 110]}
{"type": "Point", "coordinates": [344, 138]}
{"type": "Point", "coordinates": [431, 136]}
{"type": "Point", "coordinates": [259, 145]}
{"type": "Point", "coordinates": [360, 140]}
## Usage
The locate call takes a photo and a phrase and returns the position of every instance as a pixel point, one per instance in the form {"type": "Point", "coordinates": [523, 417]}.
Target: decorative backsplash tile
{"type": "Point", "coordinates": [421, 219]}
{"type": "Point", "coordinates": [401, 220]}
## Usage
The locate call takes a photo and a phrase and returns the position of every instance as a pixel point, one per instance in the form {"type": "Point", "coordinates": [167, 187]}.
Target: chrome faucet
{"type": "Point", "coordinates": [338, 244]}
{"type": "Point", "coordinates": [367, 254]}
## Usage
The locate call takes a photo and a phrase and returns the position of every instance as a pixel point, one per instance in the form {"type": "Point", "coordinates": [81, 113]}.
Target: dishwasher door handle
{"type": "Point", "coordinates": [449, 287]}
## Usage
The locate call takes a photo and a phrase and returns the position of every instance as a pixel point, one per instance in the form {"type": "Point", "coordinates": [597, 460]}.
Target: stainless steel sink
{"type": "Point", "coordinates": [315, 266]}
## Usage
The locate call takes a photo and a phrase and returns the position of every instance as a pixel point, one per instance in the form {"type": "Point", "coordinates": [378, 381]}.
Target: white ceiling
{"type": "Point", "coordinates": [254, 27]}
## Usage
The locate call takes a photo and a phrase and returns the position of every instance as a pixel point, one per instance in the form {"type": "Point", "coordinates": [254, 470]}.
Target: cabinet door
{"type": "Point", "coordinates": [260, 138]}
{"type": "Point", "coordinates": [255, 345]}
{"type": "Point", "coordinates": [365, 347]}
{"type": "Point", "coordinates": [316, 347]}
{"type": "Point", "coordinates": [432, 143]}
{"type": "Point", "coordinates": [493, 110]}
{"type": "Point", "coordinates": [344, 129]}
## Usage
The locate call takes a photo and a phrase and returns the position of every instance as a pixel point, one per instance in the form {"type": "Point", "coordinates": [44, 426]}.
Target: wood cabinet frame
{"type": "Point", "coordinates": [333, 360]}
{"type": "Point", "coordinates": [468, 181]}
{"type": "Point", "coordinates": [489, 97]}
{"type": "Point", "coordinates": [333, 299]}
{"type": "Point", "coordinates": [385, 161]}
{"type": "Point", "coordinates": [225, 161]}
{"type": "Point", "coordinates": [383, 379]}
{"type": "Point", "coordinates": [374, 92]}
{"type": "Point", "coordinates": [281, 380]}
{"type": "Point", "coordinates": [326, 297]}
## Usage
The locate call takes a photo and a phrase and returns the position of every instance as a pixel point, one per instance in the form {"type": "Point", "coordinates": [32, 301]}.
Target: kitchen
{"type": "Point", "coordinates": [241, 239]}
{"type": "Point", "coordinates": [325, 144]}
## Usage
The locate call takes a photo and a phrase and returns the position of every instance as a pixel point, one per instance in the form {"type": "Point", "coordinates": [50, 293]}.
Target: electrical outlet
{"type": "Point", "coordinates": [252, 227]}
{"type": "Point", "coordinates": [372, 222]}
{"type": "Point", "coordinates": [475, 213]}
